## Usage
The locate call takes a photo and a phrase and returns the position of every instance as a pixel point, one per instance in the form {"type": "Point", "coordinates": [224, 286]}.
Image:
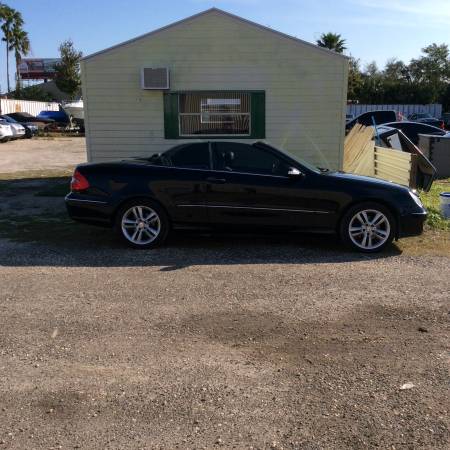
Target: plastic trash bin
{"type": "Point", "coordinates": [445, 204]}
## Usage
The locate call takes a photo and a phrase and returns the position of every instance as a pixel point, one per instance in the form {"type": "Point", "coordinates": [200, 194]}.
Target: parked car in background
{"type": "Point", "coordinates": [230, 184]}
{"type": "Point", "coordinates": [413, 129]}
{"type": "Point", "coordinates": [428, 119]}
{"type": "Point", "coordinates": [18, 130]}
{"type": "Point", "coordinates": [60, 118]}
{"type": "Point", "coordinates": [24, 117]}
{"type": "Point", "coordinates": [371, 118]}
{"type": "Point", "coordinates": [5, 131]}
{"type": "Point", "coordinates": [417, 116]}
{"type": "Point", "coordinates": [31, 128]}
{"type": "Point", "coordinates": [446, 119]}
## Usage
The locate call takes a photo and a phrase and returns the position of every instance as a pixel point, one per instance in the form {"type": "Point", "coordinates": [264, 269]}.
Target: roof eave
{"type": "Point", "coordinates": [202, 13]}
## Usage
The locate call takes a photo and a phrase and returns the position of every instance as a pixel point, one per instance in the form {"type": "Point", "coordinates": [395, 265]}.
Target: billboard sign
{"type": "Point", "coordinates": [37, 68]}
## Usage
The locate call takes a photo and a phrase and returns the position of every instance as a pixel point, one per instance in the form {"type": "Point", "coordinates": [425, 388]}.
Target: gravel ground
{"type": "Point", "coordinates": [219, 342]}
{"type": "Point", "coordinates": [42, 153]}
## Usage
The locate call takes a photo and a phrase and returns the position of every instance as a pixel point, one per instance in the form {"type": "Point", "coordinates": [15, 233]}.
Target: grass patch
{"type": "Point", "coordinates": [430, 243]}
{"type": "Point", "coordinates": [51, 135]}
{"type": "Point", "coordinates": [57, 190]}
{"type": "Point", "coordinates": [431, 201]}
{"type": "Point", "coordinates": [51, 229]}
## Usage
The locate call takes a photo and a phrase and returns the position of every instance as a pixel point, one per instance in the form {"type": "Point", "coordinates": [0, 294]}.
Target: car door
{"type": "Point", "coordinates": [251, 186]}
{"type": "Point", "coordinates": [183, 187]}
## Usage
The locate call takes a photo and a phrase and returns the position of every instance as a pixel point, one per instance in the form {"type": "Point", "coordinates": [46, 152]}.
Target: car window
{"type": "Point", "coordinates": [191, 156]}
{"type": "Point", "coordinates": [234, 157]}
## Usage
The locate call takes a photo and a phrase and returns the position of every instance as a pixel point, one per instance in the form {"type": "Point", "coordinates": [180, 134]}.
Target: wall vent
{"type": "Point", "coordinates": [155, 78]}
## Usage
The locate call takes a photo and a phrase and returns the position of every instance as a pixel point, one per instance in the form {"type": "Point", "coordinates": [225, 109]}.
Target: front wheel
{"type": "Point", "coordinates": [368, 227]}
{"type": "Point", "coordinates": [142, 224]}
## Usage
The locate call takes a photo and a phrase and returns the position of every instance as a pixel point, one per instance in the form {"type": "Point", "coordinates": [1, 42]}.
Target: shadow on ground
{"type": "Point", "coordinates": [84, 246]}
{"type": "Point", "coordinates": [37, 231]}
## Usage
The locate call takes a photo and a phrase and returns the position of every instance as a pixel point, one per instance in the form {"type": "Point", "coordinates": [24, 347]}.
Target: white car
{"type": "Point", "coordinates": [6, 132]}
{"type": "Point", "coordinates": [18, 130]}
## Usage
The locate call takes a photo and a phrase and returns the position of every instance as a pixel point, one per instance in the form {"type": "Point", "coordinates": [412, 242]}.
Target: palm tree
{"type": "Point", "coordinates": [332, 41]}
{"type": "Point", "coordinates": [11, 19]}
{"type": "Point", "coordinates": [20, 45]}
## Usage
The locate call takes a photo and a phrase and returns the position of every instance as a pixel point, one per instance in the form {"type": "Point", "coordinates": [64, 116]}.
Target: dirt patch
{"type": "Point", "coordinates": [237, 345]}
{"type": "Point", "coordinates": [42, 154]}
{"type": "Point", "coordinates": [214, 341]}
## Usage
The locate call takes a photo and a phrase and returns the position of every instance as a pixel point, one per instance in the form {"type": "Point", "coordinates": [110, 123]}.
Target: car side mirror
{"type": "Point", "coordinates": [294, 172]}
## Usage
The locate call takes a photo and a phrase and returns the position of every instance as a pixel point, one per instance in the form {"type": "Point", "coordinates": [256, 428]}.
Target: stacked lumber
{"type": "Point", "coordinates": [359, 149]}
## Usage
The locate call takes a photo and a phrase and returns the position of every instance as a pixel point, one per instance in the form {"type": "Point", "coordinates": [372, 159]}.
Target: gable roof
{"type": "Point", "coordinates": [227, 14]}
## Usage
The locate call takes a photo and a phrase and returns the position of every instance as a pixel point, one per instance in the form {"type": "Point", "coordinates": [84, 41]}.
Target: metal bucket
{"type": "Point", "coordinates": [445, 204]}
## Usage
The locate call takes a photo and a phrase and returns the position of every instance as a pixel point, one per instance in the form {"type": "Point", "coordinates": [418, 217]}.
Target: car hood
{"type": "Point", "coordinates": [366, 180]}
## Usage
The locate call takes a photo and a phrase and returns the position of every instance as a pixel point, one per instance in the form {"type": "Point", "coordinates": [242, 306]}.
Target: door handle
{"type": "Point", "coordinates": [216, 180]}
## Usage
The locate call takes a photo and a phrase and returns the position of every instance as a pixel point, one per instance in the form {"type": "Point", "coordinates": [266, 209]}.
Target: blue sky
{"type": "Point", "coordinates": [374, 29]}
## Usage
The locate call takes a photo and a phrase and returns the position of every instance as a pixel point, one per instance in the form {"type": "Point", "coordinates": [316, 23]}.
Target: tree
{"type": "Point", "coordinates": [332, 41]}
{"type": "Point", "coordinates": [396, 71]}
{"type": "Point", "coordinates": [432, 70]}
{"type": "Point", "coordinates": [32, 93]}
{"type": "Point", "coordinates": [10, 19]}
{"type": "Point", "coordinates": [67, 76]}
{"type": "Point", "coordinates": [20, 45]}
{"type": "Point", "coordinates": [354, 79]}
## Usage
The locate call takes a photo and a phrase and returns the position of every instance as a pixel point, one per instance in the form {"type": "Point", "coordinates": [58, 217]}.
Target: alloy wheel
{"type": "Point", "coordinates": [369, 229]}
{"type": "Point", "coordinates": [141, 225]}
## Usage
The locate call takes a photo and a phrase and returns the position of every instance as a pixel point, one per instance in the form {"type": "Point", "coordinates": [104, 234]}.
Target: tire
{"type": "Point", "coordinates": [368, 227]}
{"type": "Point", "coordinates": [151, 224]}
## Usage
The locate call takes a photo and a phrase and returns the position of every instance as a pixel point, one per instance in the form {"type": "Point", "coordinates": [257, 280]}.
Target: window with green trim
{"type": "Point", "coordinates": [221, 114]}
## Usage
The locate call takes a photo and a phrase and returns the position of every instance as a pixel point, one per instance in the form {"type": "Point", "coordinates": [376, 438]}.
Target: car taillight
{"type": "Point", "coordinates": [79, 182]}
{"type": "Point", "coordinates": [442, 125]}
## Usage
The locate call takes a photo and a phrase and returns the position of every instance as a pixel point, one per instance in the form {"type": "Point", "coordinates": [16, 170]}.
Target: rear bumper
{"type": "Point", "coordinates": [95, 212]}
{"type": "Point", "coordinates": [412, 224]}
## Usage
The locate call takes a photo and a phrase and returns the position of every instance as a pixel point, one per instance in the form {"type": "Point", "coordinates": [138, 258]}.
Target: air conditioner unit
{"type": "Point", "coordinates": [155, 78]}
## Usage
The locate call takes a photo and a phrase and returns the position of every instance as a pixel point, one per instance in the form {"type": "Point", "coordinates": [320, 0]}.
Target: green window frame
{"type": "Point", "coordinates": [257, 116]}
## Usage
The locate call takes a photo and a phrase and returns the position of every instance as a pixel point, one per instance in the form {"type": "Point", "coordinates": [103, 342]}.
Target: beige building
{"type": "Point", "coordinates": [215, 76]}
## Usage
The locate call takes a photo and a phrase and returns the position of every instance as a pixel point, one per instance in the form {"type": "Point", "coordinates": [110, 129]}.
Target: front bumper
{"type": "Point", "coordinates": [412, 224]}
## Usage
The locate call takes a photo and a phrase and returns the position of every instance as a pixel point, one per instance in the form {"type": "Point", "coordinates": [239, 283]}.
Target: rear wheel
{"type": "Point", "coordinates": [368, 227]}
{"type": "Point", "coordinates": [142, 224]}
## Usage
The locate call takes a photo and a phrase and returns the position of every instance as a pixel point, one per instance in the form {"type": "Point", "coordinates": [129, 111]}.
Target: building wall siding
{"type": "Point", "coordinates": [305, 88]}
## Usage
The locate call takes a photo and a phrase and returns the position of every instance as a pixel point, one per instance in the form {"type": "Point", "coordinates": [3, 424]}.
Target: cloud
{"type": "Point", "coordinates": [437, 11]}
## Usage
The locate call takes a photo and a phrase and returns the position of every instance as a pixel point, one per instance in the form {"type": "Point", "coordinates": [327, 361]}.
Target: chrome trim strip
{"type": "Point", "coordinates": [85, 201]}
{"type": "Point", "coordinates": [259, 208]}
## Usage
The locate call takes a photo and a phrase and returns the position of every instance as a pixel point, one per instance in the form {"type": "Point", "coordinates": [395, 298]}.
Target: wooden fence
{"type": "Point", "coordinates": [362, 157]}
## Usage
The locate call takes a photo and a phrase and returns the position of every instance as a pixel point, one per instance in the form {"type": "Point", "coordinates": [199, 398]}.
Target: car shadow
{"type": "Point", "coordinates": [35, 230]}
{"type": "Point", "coordinates": [97, 247]}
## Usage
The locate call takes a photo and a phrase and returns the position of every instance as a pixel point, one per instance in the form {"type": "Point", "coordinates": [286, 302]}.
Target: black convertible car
{"type": "Point", "coordinates": [225, 184]}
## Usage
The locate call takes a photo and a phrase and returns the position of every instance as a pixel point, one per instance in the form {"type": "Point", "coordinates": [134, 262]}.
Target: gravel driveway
{"type": "Point", "coordinates": [219, 341]}
{"type": "Point", "coordinates": [42, 153]}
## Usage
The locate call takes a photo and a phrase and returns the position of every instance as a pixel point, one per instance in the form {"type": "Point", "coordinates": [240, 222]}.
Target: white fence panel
{"type": "Point", "coordinates": [434, 109]}
{"type": "Point", "coordinates": [33, 108]}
